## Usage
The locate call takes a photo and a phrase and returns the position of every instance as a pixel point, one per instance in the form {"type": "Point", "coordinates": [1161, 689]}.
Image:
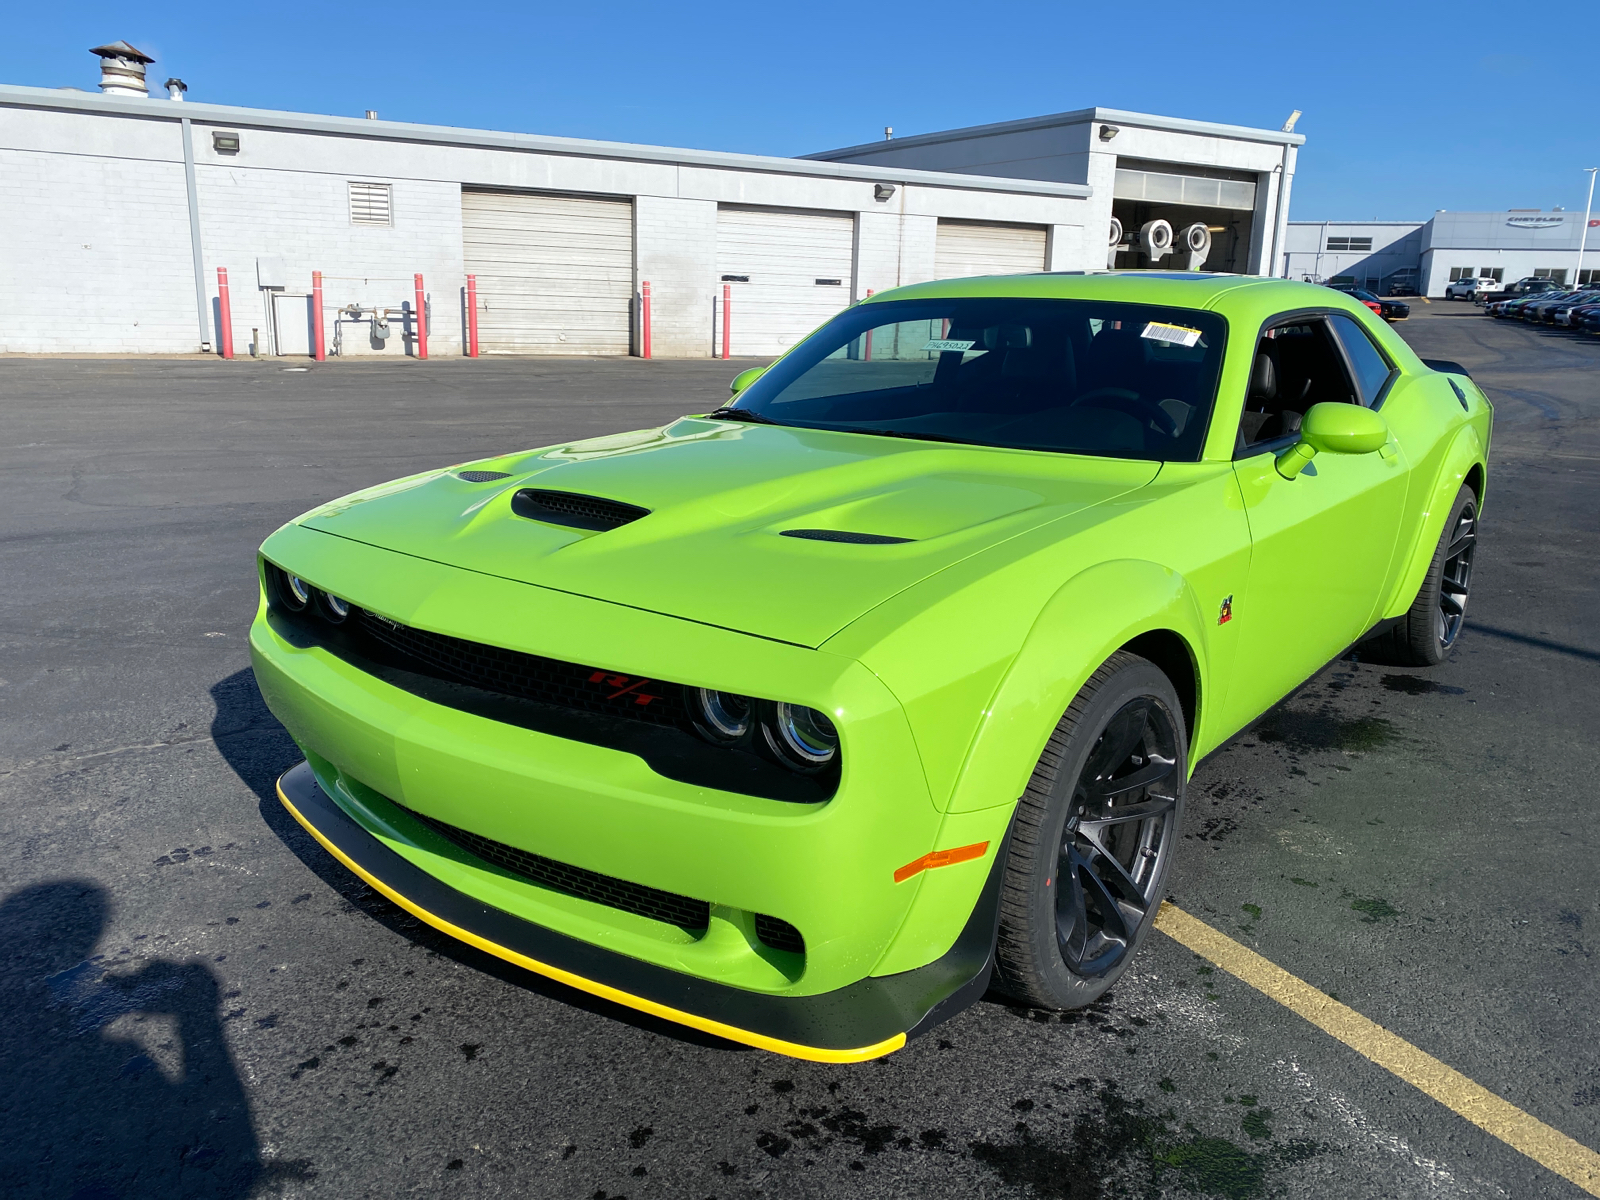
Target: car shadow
{"type": "Point", "coordinates": [119, 1081]}
{"type": "Point", "coordinates": [259, 749]}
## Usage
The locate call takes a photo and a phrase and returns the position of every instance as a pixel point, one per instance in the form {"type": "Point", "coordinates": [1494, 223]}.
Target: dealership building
{"type": "Point", "coordinates": [1428, 255]}
{"type": "Point", "coordinates": [120, 209]}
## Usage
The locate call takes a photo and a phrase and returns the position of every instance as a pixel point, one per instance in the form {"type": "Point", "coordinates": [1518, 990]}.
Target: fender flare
{"type": "Point", "coordinates": [1466, 452]}
{"type": "Point", "coordinates": [1087, 620]}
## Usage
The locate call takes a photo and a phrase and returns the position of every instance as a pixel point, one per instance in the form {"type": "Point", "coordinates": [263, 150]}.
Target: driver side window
{"type": "Point", "coordinates": [1297, 364]}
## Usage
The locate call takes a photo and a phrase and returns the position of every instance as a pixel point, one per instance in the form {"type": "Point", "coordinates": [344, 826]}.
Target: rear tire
{"type": "Point", "coordinates": [1093, 839]}
{"type": "Point", "coordinates": [1430, 628]}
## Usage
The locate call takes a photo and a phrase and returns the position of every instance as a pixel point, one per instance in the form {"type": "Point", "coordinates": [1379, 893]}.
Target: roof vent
{"type": "Point", "coordinates": [122, 70]}
{"type": "Point", "coordinates": [574, 510]}
{"type": "Point", "coordinates": [840, 535]}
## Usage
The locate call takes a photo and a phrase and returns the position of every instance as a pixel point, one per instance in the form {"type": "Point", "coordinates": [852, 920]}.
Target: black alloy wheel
{"type": "Point", "coordinates": [1093, 838]}
{"type": "Point", "coordinates": [1114, 845]}
{"type": "Point", "coordinates": [1455, 578]}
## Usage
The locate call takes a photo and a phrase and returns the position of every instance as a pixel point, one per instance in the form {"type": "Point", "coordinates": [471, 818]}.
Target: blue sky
{"type": "Point", "coordinates": [1408, 107]}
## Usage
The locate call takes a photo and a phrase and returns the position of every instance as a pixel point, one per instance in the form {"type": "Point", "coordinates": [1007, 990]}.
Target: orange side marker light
{"type": "Point", "coordinates": [940, 858]}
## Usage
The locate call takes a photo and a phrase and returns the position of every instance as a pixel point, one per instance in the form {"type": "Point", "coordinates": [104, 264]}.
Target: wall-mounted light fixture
{"type": "Point", "coordinates": [1107, 132]}
{"type": "Point", "coordinates": [224, 143]}
{"type": "Point", "coordinates": [882, 191]}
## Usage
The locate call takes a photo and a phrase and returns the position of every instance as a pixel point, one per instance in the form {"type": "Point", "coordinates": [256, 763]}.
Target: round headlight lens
{"type": "Point", "coordinates": [720, 717]}
{"type": "Point", "coordinates": [333, 608]}
{"type": "Point", "coordinates": [803, 737]}
{"type": "Point", "coordinates": [296, 594]}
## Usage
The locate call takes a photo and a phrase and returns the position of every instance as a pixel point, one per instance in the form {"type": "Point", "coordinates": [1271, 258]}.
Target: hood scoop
{"type": "Point", "coordinates": [482, 476]}
{"type": "Point", "coordinates": [840, 535]}
{"type": "Point", "coordinates": [574, 510]}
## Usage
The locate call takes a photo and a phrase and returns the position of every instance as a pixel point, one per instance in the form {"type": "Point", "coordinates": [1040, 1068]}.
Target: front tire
{"type": "Point", "coordinates": [1093, 839]}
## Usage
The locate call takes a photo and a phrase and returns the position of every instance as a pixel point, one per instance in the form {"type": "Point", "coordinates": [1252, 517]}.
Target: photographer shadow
{"type": "Point", "coordinates": [96, 1107]}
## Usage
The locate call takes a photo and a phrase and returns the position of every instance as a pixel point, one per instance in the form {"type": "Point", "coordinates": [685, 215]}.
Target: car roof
{"type": "Point", "coordinates": [1178, 289]}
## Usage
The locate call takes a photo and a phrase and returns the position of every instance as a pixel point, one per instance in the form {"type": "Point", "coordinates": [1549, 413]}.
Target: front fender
{"type": "Point", "coordinates": [1466, 451]}
{"type": "Point", "coordinates": [1084, 623]}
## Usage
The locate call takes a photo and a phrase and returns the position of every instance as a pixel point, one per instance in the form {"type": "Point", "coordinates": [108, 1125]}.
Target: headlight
{"type": "Point", "coordinates": [801, 738]}
{"type": "Point", "coordinates": [720, 717]}
{"type": "Point", "coordinates": [333, 608]}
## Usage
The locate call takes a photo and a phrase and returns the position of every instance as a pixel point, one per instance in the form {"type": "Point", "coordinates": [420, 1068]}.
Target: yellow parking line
{"type": "Point", "coordinates": [1548, 1147]}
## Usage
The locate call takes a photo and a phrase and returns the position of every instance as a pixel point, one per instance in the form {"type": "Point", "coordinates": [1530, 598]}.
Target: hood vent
{"type": "Point", "coordinates": [839, 535]}
{"type": "Point", "coordinates": [482, 476]}
{"type": "Point", "coordinates": [574, 510]}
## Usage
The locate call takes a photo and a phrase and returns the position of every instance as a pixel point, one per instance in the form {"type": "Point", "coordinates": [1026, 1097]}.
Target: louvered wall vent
{"type": "Point", "coordinates": [370, 204]}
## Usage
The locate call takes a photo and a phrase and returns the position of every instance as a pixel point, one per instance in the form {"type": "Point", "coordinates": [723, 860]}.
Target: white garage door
{"type": "Point", "coordinates": [555, 273]}
{"type": "Point", "coordinates": [789, 272]}
{"type": "Point", "coordinates": [969, 248]}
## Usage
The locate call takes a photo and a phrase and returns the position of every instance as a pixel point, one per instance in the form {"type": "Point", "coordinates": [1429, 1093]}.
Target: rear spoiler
{"type": "Point", "coordinates": [1445, 365]}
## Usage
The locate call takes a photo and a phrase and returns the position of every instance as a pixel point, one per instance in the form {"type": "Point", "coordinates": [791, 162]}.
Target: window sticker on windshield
{"type": "Point", "coordinates": [943, 344]}
{"type": "Point", "coordinates": [1179, 335]}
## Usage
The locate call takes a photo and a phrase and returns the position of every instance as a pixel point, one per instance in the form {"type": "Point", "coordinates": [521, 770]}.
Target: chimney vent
{"type": "Point", "coordinates": [175, 88]}
{"type": "Point", "coordinates": [372, 114]}
{"type": "Point", "coordinates": [122, 70]}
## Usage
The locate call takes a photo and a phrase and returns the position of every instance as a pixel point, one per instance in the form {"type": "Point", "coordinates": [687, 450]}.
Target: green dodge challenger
{"type": "Point", "coordinates": [807, 721]}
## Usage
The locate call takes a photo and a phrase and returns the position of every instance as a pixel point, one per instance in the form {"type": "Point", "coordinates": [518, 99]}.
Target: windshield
{"type": "Point", "coordinates": [1073, 376]}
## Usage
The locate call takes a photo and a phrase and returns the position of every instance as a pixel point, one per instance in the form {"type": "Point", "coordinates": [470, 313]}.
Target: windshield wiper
{"type": "Point", "coordinates": [742, 414]}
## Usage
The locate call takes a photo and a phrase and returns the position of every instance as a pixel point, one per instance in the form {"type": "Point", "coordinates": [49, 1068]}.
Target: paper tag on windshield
{"type": "Point", "coordinates": [1178, 335]}
{"type": "Point", "coordinates": [943, 344]}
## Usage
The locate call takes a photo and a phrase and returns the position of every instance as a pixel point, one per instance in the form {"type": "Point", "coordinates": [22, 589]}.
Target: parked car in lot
{"type": "Point", "coordinates": [1588, 318]}
{"type": "Point", "coordinates": [1388, 309]}
{"type": "Point", "coordinates": [1558, 312]}
{"type": "Point", "coordinates": [1571, 315]}
{"type": "Point", "coordinates": [1541, 311]}
{"type": "Point", "coordinates": [1510, 308]}
{"type": "Point", "coordinates": [1402, 287]}
{"type": "Point", "coordinates": [804, 720]}
{"type": "Point", "coordinates": [1519, 289]}
{"type": "Point", "coordinates": [1470, 289]}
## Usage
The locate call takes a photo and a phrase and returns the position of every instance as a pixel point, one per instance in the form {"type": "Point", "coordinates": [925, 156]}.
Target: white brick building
{"type": "Point", "coordinates": [106, 251]}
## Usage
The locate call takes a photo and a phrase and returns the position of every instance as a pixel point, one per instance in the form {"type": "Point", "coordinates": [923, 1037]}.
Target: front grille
{"type": "Point", "coordinates": [669, 907]}
{"type": "Point", "coordinates": [780, 935]}
{"type": "Point", "coordinates": [840, 535]}
{"type": "Point", "coordinates": [482, 476]}
{"type": "Point", "coordinates": [574, 510]}
{"type": "Point", "coordinates": [529, 676]}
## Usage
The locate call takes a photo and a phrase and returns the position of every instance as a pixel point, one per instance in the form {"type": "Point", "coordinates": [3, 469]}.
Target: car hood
{"type": "Point", "coordinates": [720, 495]}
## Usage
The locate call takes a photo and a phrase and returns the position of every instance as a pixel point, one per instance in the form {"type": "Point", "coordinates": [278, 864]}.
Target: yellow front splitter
{"type": "Point", "coordinates": [884, 1009]}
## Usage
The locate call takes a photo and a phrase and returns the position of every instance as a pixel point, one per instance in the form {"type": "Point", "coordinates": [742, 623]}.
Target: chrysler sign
{"type": "Point", "coordinates": [1531, 222]}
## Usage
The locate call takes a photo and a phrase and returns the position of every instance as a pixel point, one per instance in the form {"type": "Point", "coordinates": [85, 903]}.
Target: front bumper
{"type": "Point", "coordinates": [864, 1020]}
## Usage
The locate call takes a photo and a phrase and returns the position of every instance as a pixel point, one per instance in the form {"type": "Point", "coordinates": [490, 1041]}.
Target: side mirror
{"type": "Point", "coordinates": [1337, 429]}
{"type": "Point", "coordinates": [744, 379]}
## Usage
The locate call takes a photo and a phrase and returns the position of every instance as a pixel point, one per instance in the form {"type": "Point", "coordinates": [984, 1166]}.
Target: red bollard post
{"type": "Point", "coordinates": [472, 316]}
{"type": "Point", "coordinates": [319, 344]}
{"type": "Point", "coordinates": [727, 303]}
{"type": "Point", "coordinates": [224, 315]}
{"type": "Point", "coordinates": [867, 357]}
{"type": "Point", "coordinates": [422, 321]}
{"type": "Point", "coordinates": [644, 319]}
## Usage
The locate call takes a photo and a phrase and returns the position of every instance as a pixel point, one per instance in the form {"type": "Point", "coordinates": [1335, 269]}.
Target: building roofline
{"type": "Point", "coordinates": [14, 96]}
{"type": "Point", "coordinates": [1082, 116]}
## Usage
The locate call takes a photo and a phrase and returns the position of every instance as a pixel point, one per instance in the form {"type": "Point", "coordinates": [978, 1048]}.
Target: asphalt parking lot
{"type": "Point", "coordinates": [196, 1000]}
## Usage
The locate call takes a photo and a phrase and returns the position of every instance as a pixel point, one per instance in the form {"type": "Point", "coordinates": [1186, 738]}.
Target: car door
{"type": "Point", "coordinates": [1321, 543]}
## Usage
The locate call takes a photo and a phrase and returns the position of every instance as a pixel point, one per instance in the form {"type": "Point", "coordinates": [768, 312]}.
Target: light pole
{"type": "Point", "coordinates": [1583, 241]}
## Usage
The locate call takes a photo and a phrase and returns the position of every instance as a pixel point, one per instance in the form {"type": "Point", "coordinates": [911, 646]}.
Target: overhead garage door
{"type": "Point", "coordinates": [555, 273]}
{"type": "Point", "coordinates": [971, 248]}
{"type": "Point", "coordinates": [789, 271]}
